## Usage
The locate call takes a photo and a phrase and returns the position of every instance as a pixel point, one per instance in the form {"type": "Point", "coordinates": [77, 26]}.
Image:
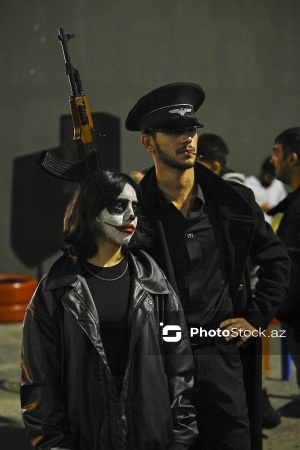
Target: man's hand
{"type": "Point", "coordinates": [265, 206]}
{"type": "Point", "coordinates": [238, 327]}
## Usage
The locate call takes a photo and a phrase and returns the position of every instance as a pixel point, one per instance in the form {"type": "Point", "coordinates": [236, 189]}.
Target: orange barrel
{"type": "Point", "coordinates": [15, 292]}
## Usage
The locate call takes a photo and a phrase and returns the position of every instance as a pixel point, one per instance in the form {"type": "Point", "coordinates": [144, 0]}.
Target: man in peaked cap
{"type": "Point", "coordinates": [205, 229]}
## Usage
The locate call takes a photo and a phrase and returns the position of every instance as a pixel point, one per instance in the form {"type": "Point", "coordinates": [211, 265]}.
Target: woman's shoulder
{"type": "Point", "coordinates": [143, 257]}
{"type": "Point", "coordinates": [64, 272]}
{"type": "Point", "coordinates": [148, 272]}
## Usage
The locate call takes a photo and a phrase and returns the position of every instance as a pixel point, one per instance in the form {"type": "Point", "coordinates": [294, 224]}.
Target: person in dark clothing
{"type": "Point", "coordinates": [212, 151]}
{"type": "Point", "coordinates": [286, 159]}
{"type": "Point", "coordinates": [97, 372]}
{"type": "Point", "coordinates": [205, 230]}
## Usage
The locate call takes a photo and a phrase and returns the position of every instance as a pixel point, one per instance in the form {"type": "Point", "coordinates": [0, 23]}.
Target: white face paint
{"type": "Point", "coordinates": [118, 221]}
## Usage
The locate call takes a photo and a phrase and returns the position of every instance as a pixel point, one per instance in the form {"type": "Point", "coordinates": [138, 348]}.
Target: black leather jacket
{"type": "Point", "coordinates": [68, 394]}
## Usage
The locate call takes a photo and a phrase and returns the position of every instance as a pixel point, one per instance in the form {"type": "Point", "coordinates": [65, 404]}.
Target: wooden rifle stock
{"type": "Point", "coordinates": [84, 133]}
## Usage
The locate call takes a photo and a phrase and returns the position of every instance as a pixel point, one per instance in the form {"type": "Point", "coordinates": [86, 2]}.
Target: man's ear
{"type": "Point", "coordinates": [148, 143]}
{"type": "Point", "coordinates": [293, 159]}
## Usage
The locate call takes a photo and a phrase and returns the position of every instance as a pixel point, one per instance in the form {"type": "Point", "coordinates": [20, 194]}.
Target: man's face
{"type": "Point", "coordinates": [282, 168]}
{"type": "Point", "coordinates": [118, 221]}
{"type": "Point", "coordinates": [177, 150]}
{"type": "Point", "coordinates": [266, 179]}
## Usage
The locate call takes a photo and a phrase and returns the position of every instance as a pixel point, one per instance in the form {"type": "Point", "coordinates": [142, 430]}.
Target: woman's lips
{"type": "Point", "coordinates": [129, 228]}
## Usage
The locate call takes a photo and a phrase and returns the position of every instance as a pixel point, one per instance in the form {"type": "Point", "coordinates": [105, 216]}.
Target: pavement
{"type": "Point", "coordinates": [282, 394]}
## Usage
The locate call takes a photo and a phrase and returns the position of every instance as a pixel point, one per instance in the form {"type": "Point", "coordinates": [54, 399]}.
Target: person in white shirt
{"type": "Point", "coordinates": [268, 191]}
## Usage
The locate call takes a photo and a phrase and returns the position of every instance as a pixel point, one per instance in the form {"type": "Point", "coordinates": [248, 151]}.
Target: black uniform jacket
{"type": "Point", "coordinates": [68, 394]}
{"type": "Point", "coordinates": [242, 233]}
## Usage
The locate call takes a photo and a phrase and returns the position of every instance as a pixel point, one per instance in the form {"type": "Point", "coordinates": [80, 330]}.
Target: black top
{"type": "Point", "coordinates": [111, 299]}
{"type": "Point", "coordinates": [198, 265]}
{"type": "Point", "coordinates": [289, 232]}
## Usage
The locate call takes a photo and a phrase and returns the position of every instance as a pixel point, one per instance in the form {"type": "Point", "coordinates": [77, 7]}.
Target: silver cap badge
{"type": "Point", "coordinates": [181, 111]}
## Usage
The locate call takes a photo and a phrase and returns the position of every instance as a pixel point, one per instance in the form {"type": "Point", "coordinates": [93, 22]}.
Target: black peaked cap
{"type": "Point", "coordinates": [169, 106]}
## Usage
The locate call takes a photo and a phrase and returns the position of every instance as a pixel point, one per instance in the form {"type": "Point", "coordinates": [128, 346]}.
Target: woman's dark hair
{"type": "Point", "coordinates": [96, 192]}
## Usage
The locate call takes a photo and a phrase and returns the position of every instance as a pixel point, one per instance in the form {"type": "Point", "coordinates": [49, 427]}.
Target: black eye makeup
{"type": "Point", "coordinates": [119, 206]}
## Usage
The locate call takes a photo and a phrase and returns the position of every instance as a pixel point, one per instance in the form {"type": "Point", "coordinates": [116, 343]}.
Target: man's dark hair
{"type": "Point", "coordinates": [95, 193]}
{"type": "Point", "coordinates": [290, 141]}
{"type": "Point", "coordinates": [212, 148]}
{"type": "Point", "coordinates": [151, 133]}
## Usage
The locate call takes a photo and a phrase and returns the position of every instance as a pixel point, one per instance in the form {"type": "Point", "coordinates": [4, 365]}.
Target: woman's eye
{"type": "Point", "coordinates": [120, 206]}
{"type": "Point", "coordinates": [135, 207]}
{"type": "Point", "coordinates": [116, 208]}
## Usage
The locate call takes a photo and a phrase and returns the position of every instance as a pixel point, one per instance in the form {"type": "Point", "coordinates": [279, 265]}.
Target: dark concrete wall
{"type": "Point", "coordinates": [244, 53]}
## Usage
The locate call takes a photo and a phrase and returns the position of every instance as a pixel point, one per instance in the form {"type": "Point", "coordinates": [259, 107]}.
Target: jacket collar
{"type": "Point", "coordinates": [224, 195]}
{"type": "Point", "coordinates": [67, 272]}
{"type": "Point", "coordinates": [222, 192]}
{"type": "Point", "coordinates": [148, 273]}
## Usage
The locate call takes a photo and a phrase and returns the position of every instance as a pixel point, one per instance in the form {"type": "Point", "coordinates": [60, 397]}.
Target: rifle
{"type": "Point", "coordinates": [84, 133]}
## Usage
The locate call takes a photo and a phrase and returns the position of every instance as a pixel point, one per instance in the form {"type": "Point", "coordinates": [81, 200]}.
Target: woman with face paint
{"type": "Point", "coordinates": [99, 370]}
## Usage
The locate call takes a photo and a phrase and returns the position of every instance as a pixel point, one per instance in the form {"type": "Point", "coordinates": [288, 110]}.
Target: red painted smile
{"type": "Point", "coordinates": [129, 228]}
